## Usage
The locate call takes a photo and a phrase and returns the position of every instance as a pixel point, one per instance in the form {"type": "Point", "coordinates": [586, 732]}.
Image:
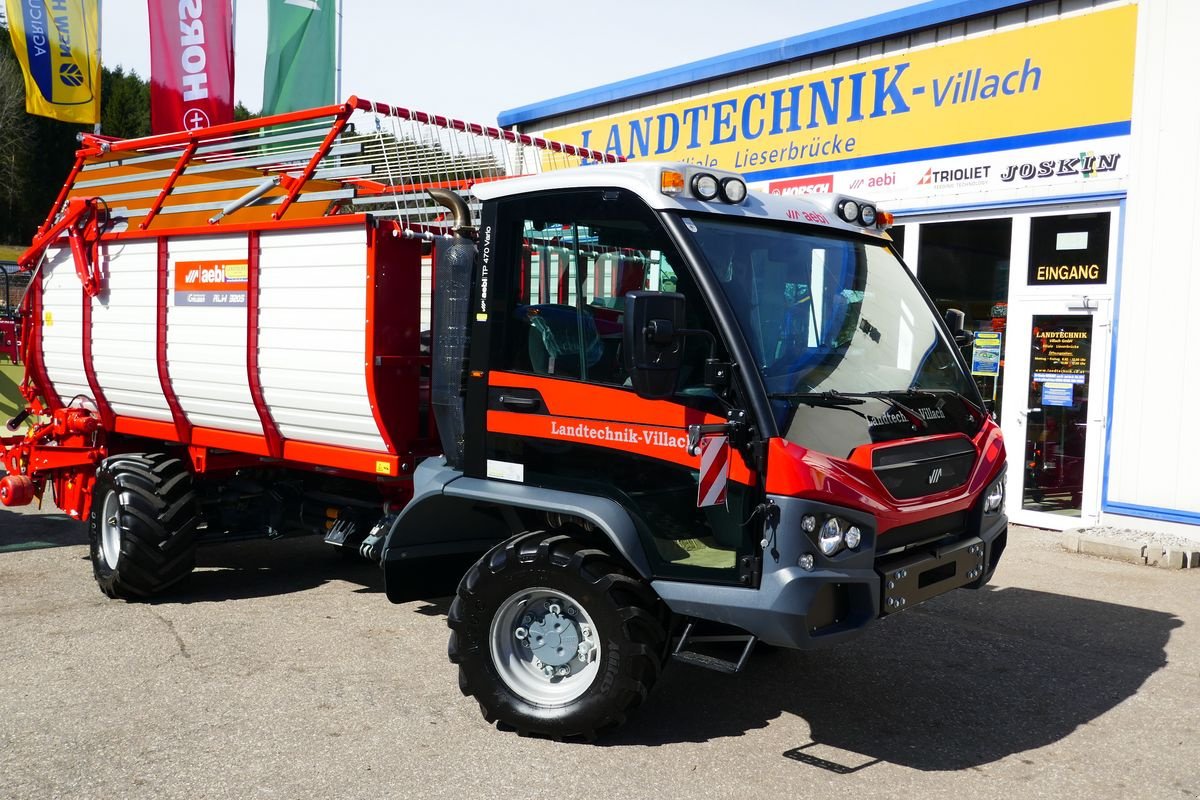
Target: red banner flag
{"type": "Point", "coordinates": [191, 64]}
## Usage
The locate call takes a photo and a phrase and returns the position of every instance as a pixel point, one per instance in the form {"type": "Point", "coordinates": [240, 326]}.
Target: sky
{"type": "Point", "coordinates": [472, 59]}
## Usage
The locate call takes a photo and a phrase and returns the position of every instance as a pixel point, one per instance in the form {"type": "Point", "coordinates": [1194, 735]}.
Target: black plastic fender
{"type": "Point", "coordinates": [452, 516]}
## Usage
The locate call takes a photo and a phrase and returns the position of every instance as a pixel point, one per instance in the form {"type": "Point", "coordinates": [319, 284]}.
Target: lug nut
{"type": "Point", "coordinates": [554, 608]}
{"type": "Point", "coordinates": [548, 671]}
{"type": "Point", "coordinates": [570, 611]}
{"type": "Point", "coordinates": [521, 633]}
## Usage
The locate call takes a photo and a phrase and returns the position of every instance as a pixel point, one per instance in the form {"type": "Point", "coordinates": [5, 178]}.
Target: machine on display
{"type": "Point", "coordinates": [639, 407]}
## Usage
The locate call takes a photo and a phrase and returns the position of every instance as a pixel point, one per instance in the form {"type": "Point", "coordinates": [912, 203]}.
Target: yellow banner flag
{"type": "Point", "coordinates": [58, 45]}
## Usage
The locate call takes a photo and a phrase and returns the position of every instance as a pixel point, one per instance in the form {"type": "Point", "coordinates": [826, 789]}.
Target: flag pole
{"type": "Point", "coordinates": [233, 44]}
{"type": "Point", "coordinates": [99, 58]}
{"type": "Point", "coordinates": [337, 94]}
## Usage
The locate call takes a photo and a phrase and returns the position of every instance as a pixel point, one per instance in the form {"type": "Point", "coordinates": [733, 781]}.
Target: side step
{"type": "Point", "coordinates": [681, 653]}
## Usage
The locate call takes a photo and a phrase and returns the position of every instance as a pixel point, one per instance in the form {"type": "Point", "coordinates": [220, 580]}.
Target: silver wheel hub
{"type": "Point", "coordinates": [544, 647]}
{"type": "Point", "coordinates": [110, 530]}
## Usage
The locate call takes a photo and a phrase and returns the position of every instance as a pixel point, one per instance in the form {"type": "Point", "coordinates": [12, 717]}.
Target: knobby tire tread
{"type": "Point", "coordinates": [644, 625]}
{"type": "Point", "coordinates": [158, 515]}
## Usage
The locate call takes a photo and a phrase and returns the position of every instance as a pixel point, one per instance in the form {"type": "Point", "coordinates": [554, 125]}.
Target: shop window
{"type": "Point", "coordinates": [965, 265]}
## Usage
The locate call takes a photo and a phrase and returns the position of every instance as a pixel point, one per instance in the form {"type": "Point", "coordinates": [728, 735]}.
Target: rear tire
{"type": "Point", "coordinates": [547, 594]}
{"type": "Point", "coordinates": [143, 525]}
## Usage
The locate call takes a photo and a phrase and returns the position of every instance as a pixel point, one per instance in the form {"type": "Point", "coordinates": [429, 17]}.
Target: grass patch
{"type": "Point", "coordinates": [10, 397]}
{"type": "Point", "coordinates": [10, 252]}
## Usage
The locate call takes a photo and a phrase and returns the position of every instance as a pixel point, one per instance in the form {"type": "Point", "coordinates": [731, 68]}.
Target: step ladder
{"type": "Point", "coordinates": [681, 653]}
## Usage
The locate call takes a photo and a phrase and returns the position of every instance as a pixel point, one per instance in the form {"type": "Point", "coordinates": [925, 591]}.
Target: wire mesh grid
{"type": "Point", "coordinates": [381, 162]}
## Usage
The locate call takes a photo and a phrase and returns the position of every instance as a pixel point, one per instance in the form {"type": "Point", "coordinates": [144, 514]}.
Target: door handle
{"type": "Point", "coordinates": [514, 401]}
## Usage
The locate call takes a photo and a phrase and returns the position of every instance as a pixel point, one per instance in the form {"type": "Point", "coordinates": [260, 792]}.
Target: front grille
{"type": "Point", "coordinates": [921, 468]}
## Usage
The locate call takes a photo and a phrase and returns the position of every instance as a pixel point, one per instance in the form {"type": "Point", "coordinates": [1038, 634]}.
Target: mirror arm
{"type": "Point", "coordinates": [737, 420]}
{"type": "Point", "coordinates": [712, 339]}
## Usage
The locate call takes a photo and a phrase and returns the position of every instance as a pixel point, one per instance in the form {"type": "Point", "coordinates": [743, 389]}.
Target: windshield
{"type": "Point", "coordinates": [829, 315]}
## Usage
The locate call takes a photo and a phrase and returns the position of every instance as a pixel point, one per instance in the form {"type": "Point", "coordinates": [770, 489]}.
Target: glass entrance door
{"type": "Point", "coordinates": [1055, 427]}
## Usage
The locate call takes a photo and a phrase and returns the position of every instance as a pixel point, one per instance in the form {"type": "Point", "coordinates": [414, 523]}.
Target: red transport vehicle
{"type": "Point", "coordinates": [652, 402]}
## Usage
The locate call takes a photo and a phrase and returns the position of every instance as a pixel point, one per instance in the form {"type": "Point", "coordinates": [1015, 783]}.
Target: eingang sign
{"type": "Point", "coordinates": [1065, 80]}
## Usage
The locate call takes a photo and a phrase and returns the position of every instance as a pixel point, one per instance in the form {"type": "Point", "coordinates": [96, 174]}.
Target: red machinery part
{"type": "Point", "coordinates": [64, 451]}
{"type": "Point", "coordinates": [16, 490]}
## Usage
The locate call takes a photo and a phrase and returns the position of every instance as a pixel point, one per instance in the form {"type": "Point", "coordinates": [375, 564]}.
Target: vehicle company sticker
{"type": "Point", "coordinates": [211, 283]}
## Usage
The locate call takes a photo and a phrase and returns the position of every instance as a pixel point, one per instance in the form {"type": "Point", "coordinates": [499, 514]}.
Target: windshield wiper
{"type": "Point", "coordinates": [824, 399]}
{"type": "Point", "coordinates": [911, 415]}
{"type": "Point", "coordinates": [967, 401]}
{"type": "Point", "coordinates": [836, 399]}
{"type": "Point", "coordinates": [830, 399]}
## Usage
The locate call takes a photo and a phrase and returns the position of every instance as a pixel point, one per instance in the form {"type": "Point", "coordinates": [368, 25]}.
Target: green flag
{"type": "Point", "coordinates": [300, 55]}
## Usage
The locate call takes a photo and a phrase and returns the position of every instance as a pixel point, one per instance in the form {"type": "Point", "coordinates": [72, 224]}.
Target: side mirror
{"type": "Point", "coordinates": [653, 347]}
{"type": "Point", "coordinates": [956, 321]}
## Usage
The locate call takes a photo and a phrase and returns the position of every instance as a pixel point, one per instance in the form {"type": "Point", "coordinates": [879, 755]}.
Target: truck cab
{"type": "Point", "coordinates": [746, 400]}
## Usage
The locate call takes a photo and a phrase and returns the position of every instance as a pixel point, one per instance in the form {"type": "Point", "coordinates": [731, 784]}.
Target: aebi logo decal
{"type": "Point", "coordinates": [210, 283]}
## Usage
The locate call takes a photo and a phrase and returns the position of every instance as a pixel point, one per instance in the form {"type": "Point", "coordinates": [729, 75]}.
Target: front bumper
{"type": "Point", "coordinates": [842, 595]}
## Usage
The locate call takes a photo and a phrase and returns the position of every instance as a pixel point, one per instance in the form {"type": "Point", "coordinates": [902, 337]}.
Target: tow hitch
{"type": "Point", "coordinates": [915, 578]}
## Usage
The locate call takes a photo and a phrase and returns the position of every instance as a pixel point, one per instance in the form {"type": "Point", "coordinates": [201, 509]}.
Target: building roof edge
{"type": "Point", "coordinates": [880, 26]}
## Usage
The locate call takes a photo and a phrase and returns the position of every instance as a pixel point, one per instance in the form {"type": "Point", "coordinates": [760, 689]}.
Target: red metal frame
{"type": "Point", "coordinates": [97, 145]}
{"type": "Point", "coordinates": [89, 366]}
{"type": "Point", "coordinates": [270, 429]}
{"type": "Point", "coordinates": [295, 184]}
{"type": "Point", "coordinates": [62, 194]}
{"type": "Point", "coordinates": [183, 426]}
{"type": "Point", "coordinates": [64, 451]}
{"type": "Point", "coordinates": [9, 341]}
{"type": "Point", "coordinates": [37, 380]}
{"type": "Point", "coordinates": [64, 448]}
{"type": "Point", "coordinates": [180, 165]}
{"type": "Point", "coordinates": [495, 133]}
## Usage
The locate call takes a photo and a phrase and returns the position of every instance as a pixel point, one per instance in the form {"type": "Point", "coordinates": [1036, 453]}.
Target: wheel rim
{"type": "Point", "coordinates": [545, 647]}
{"type": "Point", "coordinates": [110, 530]}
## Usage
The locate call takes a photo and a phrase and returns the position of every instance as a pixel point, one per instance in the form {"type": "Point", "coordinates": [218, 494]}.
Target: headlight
{"type": "Point", "coordinates": [867, 215]}
{"type": "Point", "coordinates": [830, 539]}
{"type": "Point", "coordinates": [993, 501]}
{"type": "Point", "coordinates": [853, 537]}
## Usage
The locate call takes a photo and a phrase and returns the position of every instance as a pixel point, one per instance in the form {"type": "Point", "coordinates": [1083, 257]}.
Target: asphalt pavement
{"type": "Point", "coordinates": [281, 671]}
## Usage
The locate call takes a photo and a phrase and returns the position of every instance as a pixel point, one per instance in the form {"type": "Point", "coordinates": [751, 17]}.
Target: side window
{"type": "Point", "coordinates": [580, 254]}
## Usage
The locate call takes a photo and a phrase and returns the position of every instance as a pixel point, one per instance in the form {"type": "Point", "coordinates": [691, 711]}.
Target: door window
{"type": "Point", "coordinates": [579, 254]}
{"type": "Point", "coordinates": [1056, 425]}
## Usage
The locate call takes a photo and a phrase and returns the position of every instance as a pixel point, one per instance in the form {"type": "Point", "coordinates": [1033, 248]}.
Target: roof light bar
{"type": "Point", "coordinates": [705, 186]}
{"type": "Point", "coordinates": [733, 190]}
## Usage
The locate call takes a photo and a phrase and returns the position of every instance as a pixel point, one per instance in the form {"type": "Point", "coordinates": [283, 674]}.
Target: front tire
{"type": "Point", "coordinates": [142, 526]}
{"type": "Point", "coordinates": [555, 638]}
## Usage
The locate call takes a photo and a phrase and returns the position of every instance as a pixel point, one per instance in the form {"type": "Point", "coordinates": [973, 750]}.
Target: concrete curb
{"type": "Point", "coordinates": [1132, 551]}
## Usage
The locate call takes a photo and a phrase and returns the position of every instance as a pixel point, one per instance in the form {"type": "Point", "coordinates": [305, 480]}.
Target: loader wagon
{"type": "Point", "coordinates": [642, 411]}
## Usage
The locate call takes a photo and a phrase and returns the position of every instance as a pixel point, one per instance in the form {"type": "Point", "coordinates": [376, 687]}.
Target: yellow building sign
{"type": "Point", "coordinates": [1064, 80]}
